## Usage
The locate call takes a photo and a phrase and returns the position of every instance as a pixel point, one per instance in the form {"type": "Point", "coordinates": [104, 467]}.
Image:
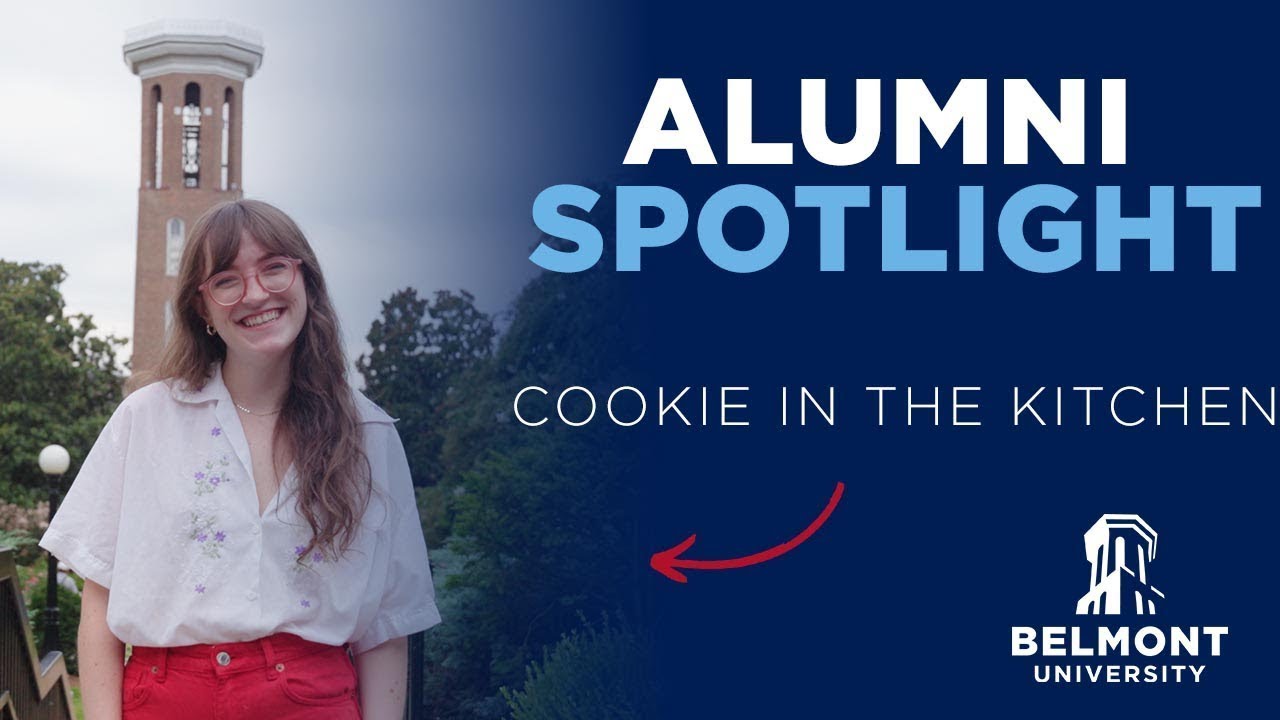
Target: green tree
{"type": "Point", "coordinates": [599, 671]}
{"type": "Point", "coordinates": [545, 525]}
{"type": "Point", "coordinates": [59, 382]}
{"type": "Point", "coordinates": [530, 528]}
{"type": "Point", "coordinates": [420, 349]}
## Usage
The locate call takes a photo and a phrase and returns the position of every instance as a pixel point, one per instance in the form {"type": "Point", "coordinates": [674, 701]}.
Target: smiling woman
{"type": "Point", "coordinates": [237, 302]}
{"type": "Point", "coordinates": [252, 300]}
{"type": "Point", "coordinates": [281, 496]}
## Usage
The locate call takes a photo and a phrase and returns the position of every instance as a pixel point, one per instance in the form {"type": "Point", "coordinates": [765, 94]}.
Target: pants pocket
{"type": "Point", "coordinates": [320, 679]}
{"type": "Point", "coordinates": [136, 685]}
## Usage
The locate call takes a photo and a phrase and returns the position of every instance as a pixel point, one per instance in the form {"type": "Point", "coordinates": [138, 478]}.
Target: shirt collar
{"type": "Point", "coordinates": [215, 389]}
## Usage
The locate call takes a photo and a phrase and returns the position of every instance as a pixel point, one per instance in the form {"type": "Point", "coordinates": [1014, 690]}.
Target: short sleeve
{"type": "Point", "coordinates": [83, 532]}
{"type": "Point", "coordinates": [408, 602]}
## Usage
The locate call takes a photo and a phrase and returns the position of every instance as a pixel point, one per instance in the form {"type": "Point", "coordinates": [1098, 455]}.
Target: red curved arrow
{"type": "Point", "coordinates": [667, 561]}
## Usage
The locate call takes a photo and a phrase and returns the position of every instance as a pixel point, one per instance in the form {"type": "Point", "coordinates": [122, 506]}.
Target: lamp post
{"type": "Point", "coordinates": [54, 461]}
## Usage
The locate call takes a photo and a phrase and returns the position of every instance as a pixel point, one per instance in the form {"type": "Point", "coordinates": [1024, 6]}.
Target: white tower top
{"type": "Point", "coordinates": [214, 47]}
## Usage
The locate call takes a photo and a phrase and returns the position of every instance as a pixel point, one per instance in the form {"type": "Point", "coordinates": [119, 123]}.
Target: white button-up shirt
{"type": "Point", "coordinates": [164, 512]}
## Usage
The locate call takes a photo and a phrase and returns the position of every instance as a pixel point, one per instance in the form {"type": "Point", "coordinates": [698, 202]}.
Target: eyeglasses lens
{"type": "Point", "coordinates": [227, 288]}
{"type": "Point", "coordinates": [275, 275]}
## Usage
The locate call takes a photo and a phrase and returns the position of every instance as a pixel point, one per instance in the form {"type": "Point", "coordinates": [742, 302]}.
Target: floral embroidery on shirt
{"type": "Point", "coordinates": [206, 530]}
{"type": "Point", "coordinates": [213, 475]}
{"type": "Point", "coordinates": [306, 578]}
{"type": "Point", "coordinates": [216, 431]}
{"type": "Point", "coordinates": [209, 540]}
{"type": "Point", "coordinates": [316, 557]}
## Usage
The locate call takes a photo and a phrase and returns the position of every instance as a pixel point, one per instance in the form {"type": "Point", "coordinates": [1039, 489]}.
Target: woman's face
{"type": "Point", "coordinates": [263, 325]}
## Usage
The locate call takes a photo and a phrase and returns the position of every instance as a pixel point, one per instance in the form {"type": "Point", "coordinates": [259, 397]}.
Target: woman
{"type": "Point", "coordinates": [245, 520]}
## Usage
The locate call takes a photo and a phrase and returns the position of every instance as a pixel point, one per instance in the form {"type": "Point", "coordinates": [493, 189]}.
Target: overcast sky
{"type": "Point", "coordinates": [408, 139]}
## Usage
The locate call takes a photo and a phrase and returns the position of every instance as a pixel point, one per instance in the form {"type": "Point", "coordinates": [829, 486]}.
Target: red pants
{"type": "Point", "coordinates": [281, 677]}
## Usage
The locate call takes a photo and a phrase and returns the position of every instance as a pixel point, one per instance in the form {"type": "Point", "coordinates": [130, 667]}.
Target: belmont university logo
{"type": "Point", "coordinates": [1120, 550]}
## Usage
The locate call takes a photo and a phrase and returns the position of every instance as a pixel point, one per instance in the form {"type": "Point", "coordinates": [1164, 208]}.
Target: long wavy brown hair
{"type": "Point", "coordinates": [319, 420]}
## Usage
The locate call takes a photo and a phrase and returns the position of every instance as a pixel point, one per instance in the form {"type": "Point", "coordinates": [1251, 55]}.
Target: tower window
{"type": "Point", "coordinates": [226, 138]}
{"type": "Point", "coordinates": [175, 238]}
{"type": "Point", "coordinates": [191, 137]}
{"type": "Point", "coordinates": [168, 321]}
{"type": "Point", "coordinates": [158, 140]}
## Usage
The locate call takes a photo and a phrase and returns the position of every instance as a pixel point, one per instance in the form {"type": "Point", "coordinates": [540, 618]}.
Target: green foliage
{"type": "Point", "coordinates": [543, 519]}
{"type": "Point", "coordinates": [457, 675]}
{"type": "Point", "coordinates": [14, 539]}
{"type": "Point", "coordinates": [22, 526]}
{"type": "Point", "coordinates": [420, 349]}
{"type": "Point", "coordinates": [435, 507]}
{"type": "Point", "coordinates": [530, 528]}
{"type": "Point", "coordinates": [58, 381]}
{"type": "Point", "coordinates": [593, 672]}
{"type": "Point", "coordinates": [543, 523]}
{"type": "Point", "coordinates": [30, 577]}
{"type": "Point", "coordinates": [68, 623]}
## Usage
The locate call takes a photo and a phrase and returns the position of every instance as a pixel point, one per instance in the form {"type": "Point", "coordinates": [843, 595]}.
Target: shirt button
{"type": "Point", "coordinates": [224, 659]}
{"type": "Point", "coordinates": [251, 595]}
{"type": "Point", "coordinates": [256, 529]}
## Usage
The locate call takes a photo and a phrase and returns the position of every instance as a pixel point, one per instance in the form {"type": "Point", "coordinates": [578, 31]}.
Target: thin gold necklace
{"type": "Point", "coordinates": [259, 414]}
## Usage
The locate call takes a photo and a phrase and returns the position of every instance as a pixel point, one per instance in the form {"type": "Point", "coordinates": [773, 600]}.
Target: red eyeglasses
{"type": "Point", "coordinates": [276, 274]}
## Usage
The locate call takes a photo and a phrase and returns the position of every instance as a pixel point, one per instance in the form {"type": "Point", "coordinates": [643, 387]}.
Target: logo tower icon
{"type": "Point", "coordinates": [1119, 548]}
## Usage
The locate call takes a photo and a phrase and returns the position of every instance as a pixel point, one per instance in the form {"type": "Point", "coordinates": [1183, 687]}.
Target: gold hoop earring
{"type": "Point", "coordinates": [209, 329]}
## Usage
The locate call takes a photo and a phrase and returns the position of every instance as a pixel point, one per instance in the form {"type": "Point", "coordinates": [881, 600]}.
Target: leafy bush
{"type": "Point", "coordinates": [30, 577]}
{"type": "Point", "coordinates": [456, 682]}
{"type": "Point", "coordinates": [14, 539]}
{"type": "Point", "coordinates": [435, 509]}
{"type": "Point", "coordinates": [593, 672]}
{"type": "Point", "coordinates": [68, 623]}
{"type": "Point", "coordinates": [20, 526]}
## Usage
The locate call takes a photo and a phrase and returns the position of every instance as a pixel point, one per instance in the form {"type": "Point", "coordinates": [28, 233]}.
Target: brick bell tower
{"type": "Point", "coordinates": [193, 75]}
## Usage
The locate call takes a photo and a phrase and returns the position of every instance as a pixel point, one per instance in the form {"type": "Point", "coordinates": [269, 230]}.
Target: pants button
{"type": "Point", "coordinates": [224, 659]}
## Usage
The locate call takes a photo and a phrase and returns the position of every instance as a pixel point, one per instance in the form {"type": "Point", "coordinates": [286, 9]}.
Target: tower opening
{"type": "Point", "coordinates": [157, 140]}
{"type": "Point", "coordinates": [175, 239]}
{"type": "Point", "coordinates": [226, 138]}
{"type": "Point", "coordinates": [191, 137]}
